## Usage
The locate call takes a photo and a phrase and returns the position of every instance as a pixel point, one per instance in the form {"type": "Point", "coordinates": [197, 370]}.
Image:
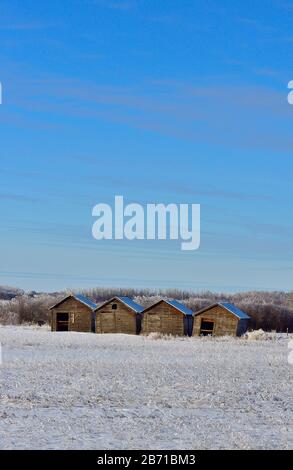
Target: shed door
{"type": "Point", "coordinates": [108, 322]}
{"type": "Point", "coordinates": [206, 327]}
{"type": "Point", "coordinates": [62, 321]}
{"type": "Point", "coordinates": [188, 325]}
{"type": "Point", "coordinates": [93, 322]}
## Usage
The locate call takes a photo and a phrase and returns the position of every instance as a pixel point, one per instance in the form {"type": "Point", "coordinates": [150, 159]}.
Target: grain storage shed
{"type": "Point", "coordinates": [220, 319]}
{"type": "Point", "coordinates": [119, 315]}
{"type": "Point", "coordinates": [73, 313]}
{"type": "Point", "coordinates": [168, 317]}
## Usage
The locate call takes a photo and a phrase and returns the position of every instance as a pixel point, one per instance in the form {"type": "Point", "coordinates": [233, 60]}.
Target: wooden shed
{"type": "Point", "coordinates": [73, 313]}
{"type": "Point", "coordinates": [168, 317]}
{"type": "Point", "coordinates": [221, 318]}
{"type": "Point", "coordinates": [119, 315]}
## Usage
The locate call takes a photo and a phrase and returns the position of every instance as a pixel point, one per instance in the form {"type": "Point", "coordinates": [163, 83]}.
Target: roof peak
{"type": "Point", "coordinates": [126, 301]}
{"type": "Point", "coordinates": [228, 306]}
{"type": "Point", "coordinates": [80, 298]}
{"type": "Point", "coordinates": [175, 304]}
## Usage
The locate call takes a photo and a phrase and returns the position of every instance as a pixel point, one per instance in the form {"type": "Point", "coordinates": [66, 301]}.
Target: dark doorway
{"type": "Point", "coordinates": [206, 327]}
{"type": "Point", "coordinates": [138, 323]}
{"type": "Point", "coordinates": [93, 322]}
{"type": "Point", "coordinates": [62, 322]}
{"type": "Point", "coordinates": [188, 325]}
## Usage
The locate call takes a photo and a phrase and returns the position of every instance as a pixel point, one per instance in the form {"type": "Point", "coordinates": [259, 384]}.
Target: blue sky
{"type": "Point", "coordinates": [171, 101]}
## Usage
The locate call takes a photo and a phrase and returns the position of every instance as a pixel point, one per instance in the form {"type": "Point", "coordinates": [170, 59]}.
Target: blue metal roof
{"type": "Point", "coordinates": [85, 301]}
{"type": "Point", "coordinates": [236, 311]}
{"type": "Point", "coordinates": [130, 303]}
{"type": "Point", "coordinates": [180, 307]}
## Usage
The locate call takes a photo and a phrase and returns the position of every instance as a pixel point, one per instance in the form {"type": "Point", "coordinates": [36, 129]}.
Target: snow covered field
{"type": "Point", "coordinates": [86, 391]}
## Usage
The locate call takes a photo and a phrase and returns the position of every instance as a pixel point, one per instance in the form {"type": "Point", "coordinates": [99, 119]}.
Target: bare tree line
{"type": "Point", "coordinates": [268, 310]}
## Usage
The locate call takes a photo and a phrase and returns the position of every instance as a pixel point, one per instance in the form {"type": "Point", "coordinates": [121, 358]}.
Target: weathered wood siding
{"type": "Point", "coordinates": [163, 318]}
{"type": "Point", "coordinates": [225, 323]}
{"type": "Point", "coordinates": [121, 320]}
{"type": "Point", "coordinates": [80, 316]}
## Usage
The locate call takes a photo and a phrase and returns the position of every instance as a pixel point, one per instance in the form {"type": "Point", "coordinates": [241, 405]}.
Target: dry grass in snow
{"type": "Point", "coordinates": [86, 391]}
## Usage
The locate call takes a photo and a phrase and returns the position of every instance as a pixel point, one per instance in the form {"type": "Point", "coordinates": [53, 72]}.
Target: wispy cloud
{"type": "Point", "coordinates": [30, 26]}
{"type": "Point", "coordinates": [180, 189]}
{"type": "Point", "coordinates": [168, 19]}
{"type": "Point", "coordinates": [236, 116]}
{"type": "Point", "coordinates": [92, 57]}
{"type": "Point", "coordinates": [123, 5]}
{"type": "Point", "coordinates": [288, 39]}
{"type": "Point", "coordinates": [18, 198]}
{"type": "Point", "coordinates": [219, 193]}
{"type": "Point", "coordinates": [265, 230]}
{"type": "Point", "coordinates": [285, 5]}
{"type": "Point", "coordinates": [256, 24]}
{"type": "Point", "coordinates": [266, 72]}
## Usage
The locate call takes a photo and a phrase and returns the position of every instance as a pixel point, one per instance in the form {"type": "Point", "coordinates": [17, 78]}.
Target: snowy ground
{"type": "Point", "coordinates": [86, 391]}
